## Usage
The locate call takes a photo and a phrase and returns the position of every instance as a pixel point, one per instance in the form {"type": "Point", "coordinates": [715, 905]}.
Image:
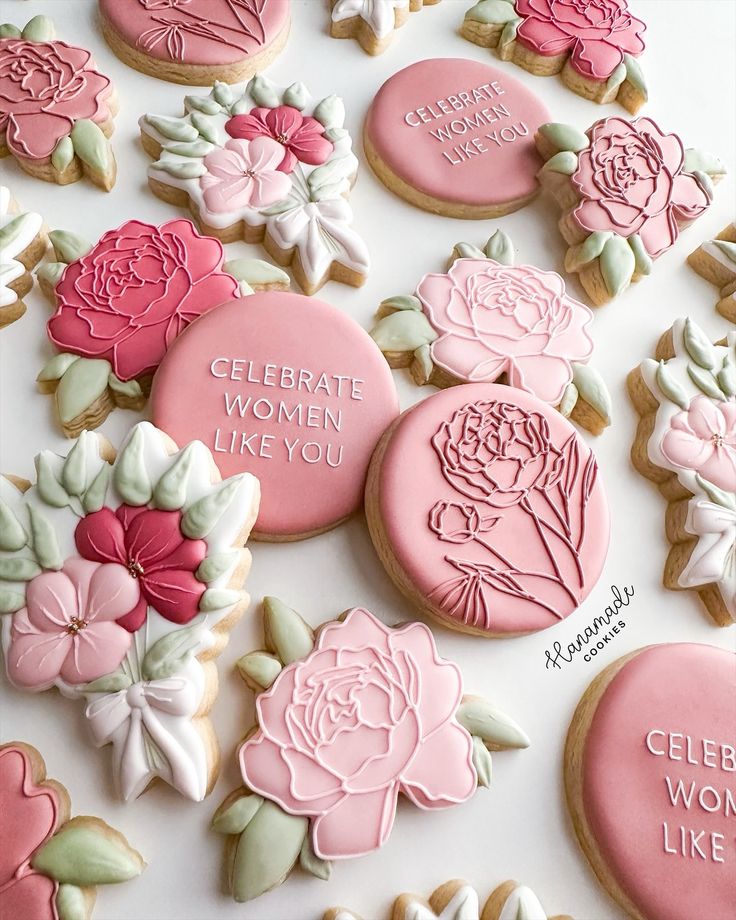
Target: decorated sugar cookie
{"type": "Point", "coordinates": [715, 260]}
{"type": "Point", "coordinates": [626, 189]}
{"type": "Point", "coordinates": [265, 165]}
{"type": "Point", "coordinates": [455, 137]}
{"type": "Point", "coordinates": [487, 510]}
{"type": "Point", "coordinates": [456, 900]}
{"type": "Point", "coordinates": [592, 44]}
{"type": "Point", "coordinates": [120, 578]}
{"type": "Point", "coordinates": [485, 320]}
{"type": "Point", "coordinates": [196, 41]}
{"type": "Point", "coordinates": [22, 245]}
{"type": "Point", "coordinates": [686, 444]}
{"type": "Point", "coordinates": [56, 108]}
{"type": "Point", "coordinates": [372, 22]}
{"type": "Point", "coordinates": [121, 302]}
{"type": "Point", "coordinates": [650, 762]}
{"type": "Point", "coordinates": [290, 389]}
{"type": "Point", "coordinates": [348, 719]}
{"type": "Point", "coordinates": [51, 863]}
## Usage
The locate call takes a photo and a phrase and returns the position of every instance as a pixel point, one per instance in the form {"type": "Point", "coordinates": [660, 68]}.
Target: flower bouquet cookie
{"type": "Point", "coordinates": [371, 22]}
{"type": "Point", "coordinates": [120, 578]}
{"type": "Point", "coordinates": [715, 260]}
{"type": "Point", "coordinates": [56, 108]}
{"type": "Point", "coordinates": [686, 444]}
{"type": "Point", "coordinates": [23, 242]}
{"type": "Point", "coordinates": [348, 719]}
{"type": "Point", "coordinates": [196, 41]}
{"type": "Point", "coordinates": [266, 165]}
{"type": "Point", "coordinates": [52, 863]}
{"type": "Point", "coordinates": [592, 44]}
{"type": "Point", "coordinates": [486, 320]}
{"type": "Point", "coordinates": [626, 189]}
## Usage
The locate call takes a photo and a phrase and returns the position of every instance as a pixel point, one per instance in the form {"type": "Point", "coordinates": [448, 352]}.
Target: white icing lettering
{"type": "Point", "coordinates": [650, 735]}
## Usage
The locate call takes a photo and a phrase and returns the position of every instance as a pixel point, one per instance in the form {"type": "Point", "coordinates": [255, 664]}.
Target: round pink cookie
{"type": "Point", "coordinates": [658, 775]}
{"type": "Point", "coordinates": [488, 510]}
{"type": "Point", "coordinates": [288, 388]}
{"type": "Point", "coordinates": [456, 137]}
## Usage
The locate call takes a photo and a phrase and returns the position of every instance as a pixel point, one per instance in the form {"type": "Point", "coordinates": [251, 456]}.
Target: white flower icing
{"type": "Point", "coordinates": [25, 232]}
{"type": "Point", "coordinates": [380, 15]}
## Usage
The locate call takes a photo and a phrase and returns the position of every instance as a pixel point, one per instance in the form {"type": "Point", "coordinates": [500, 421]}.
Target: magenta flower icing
{"type": "Point", "coordinates": [301, 135]}
{"type": "Point", "coordinates": [244, 173]}
{"type": "Point", "coordinates": [703, 438]}
{"type": "Point", "coordinates": [67, 629]}
{"type": "Point", "coordinates": [151, 550]}
{"type": "Point", "coordinates": [368, 714]}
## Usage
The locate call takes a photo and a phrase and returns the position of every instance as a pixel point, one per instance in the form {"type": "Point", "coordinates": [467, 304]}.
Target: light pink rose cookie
{"type": "Point", "coordinates": [348, 719]}
{"type": "Point", "coordinates": [487, 320]}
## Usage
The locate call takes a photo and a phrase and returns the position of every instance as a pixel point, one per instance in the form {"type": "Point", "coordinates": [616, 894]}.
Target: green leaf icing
{"type": "Point", "coordinates": [704, 381]}
{"type": "Point", "coordinates": [728, 249]}
{"type": "Point", "coordinates": [404, 301]}
{"type": "Point", "coordinates": [59, 364]}
{"type": "Point", "coordinates": [331, 112]}
{"type": "Point", "coordinates": [587, 251]}
{"type": "Point", "coordinates": [71, 903]}
{"type": "Point", "coordinates": [204, 104]}
{"type": "Point", "coordinates": [422, 365]}
{"type": "Point", "coordinates": [617, 77]}
{"type": "Point", "coordinates": [129, 388]}
{"type": "Point", "coordinates": [80, 854]}
{"type": "Point", "coordinates": [241, 106]}
{"type": "Point", "coordinates": [16, 568]}
{"type": "Point", "coordinates": [49, 487]}
{"type": "Point", "coordinates": [193, 149]}
{"type": "Point", "coordinates": [705, 180]}
{"type": "Point", "coordinates": [171, 652]}
{"type": "Point", "coordinates": [702, 161]}
{"type": "Point", "coordinates": [494, 727]}
{"type": "Point", "coordinates": [482, 762]}
{"type": "Point", "coordinates": [716, 495]}
{"type": "Point", "coordinates": [206, 129]}
{"type": "Point", "coordinates": [727, 376]}
{"type": "Point", "coordinates": [94, 498]}
{"type": "Point", "coordinates": [131, 476]}
{"type": "Point", "coordinates": [310, 862]}
{"type": "Point", "coordinates": [201, 517]}
{"type": "Point", "coordinates": [564, 137]}
{"type": "Point", "coordinates": [642, 259]}
{"type": "Point", "coordinates": [43, 539]}
{"type": "Point", "coordinates": [39, 29]}
{"type": "Point", "coordinates": [110, 683]}
{"type": "Point", "coordinates": [82, 384]}
{"type": "Point", "coordinates": [290, 636]}
{"type": "Point", "coordinates": [266, 852]}
{"type": "Point", "coordinates": [569, 400]}
{"type": "Point", "coordinates": [565, 162]}
{"type": "Point", "coordinates": [8, 30]}
{"type": "Point", "coordinates": [499, 247]}
{"type": "Point", "coordinates": [51, 272]}
{"type": "Point", "coordinates": [670, 387]}
{"type": "Point", "coordinates": [509, 34]}
{"type": "Point", "coordinates": [175, 129]}
{"type": "Point", "coordinates": [74, 471]}
{"type": "Point", "coordinates": [591, 386]}
{"type": "Point", "coordinates": [170, 492]}
{"type": "Point", "coordinates": [256, 271]}
{"type": "Point", "coordinates": [222, 93]}
{"type": "Point", "coordinates": [635, 75]}
{"type": "Point", "coordinates": [68, 246]}
{"type": "Point", "coordinates": [492, 12]}
{"type": "Point", "coordinates": [259, 668]}
{"type": "Point", "coordinates": [91, 145]}
{"type": "Point", "coordinates": [10, 601]}
{"type": "Point", "coordinates": [213, 567]}
{"type": "Point", "coordinates": [13, 228]}
{"type": "Point", "coordinates": [617, 265]}
{"type": "Point", "coordinates": [235, 818]}
{"type": "Point", "coordinates": [63, 154]}
{"type": "Point", "coordinates": [263, 92]}
{"type": "Point", "coordinates": [466, 251]}
{"type": "Point", "coordinates": [404, 330]}
{"type": "Point", "coordinates": [181, 169]}
{"type": "Point", "coordinates": [296, 95]}
{"type": "Point", "coordinates": [218, 599]}
{"type": "Point", "coordinates": [12, 535]}
{"type": "Point", "coordinates": [699, 346]}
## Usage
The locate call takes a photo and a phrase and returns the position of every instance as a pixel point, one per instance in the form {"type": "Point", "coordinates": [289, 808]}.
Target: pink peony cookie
{"type": "Point", "coordinates": [348, 719]}
{"type": "Point", "coordinates": [290, 389]}
{"type": "Point", "coordinates": [120, 578]}
{"type": "Point", "coordinates": [23, 242]}
{"type": "Point", "coordinates": [593, 44]}
{"type": "Point", "coordinates": [650, 762]}
{"type": "Point", "coordinates": [56, 108]}
{"type": "Point", "coordinates": [196, 41]}
{"type": "Point", "coordinates": [51, 865]}
{"type": "Point", "coordinates": [486, 320]}
{"type": "Point", "coordinates": [455, 137]}
{"type": "Point", "coordinates": [487, 510]}
{"type": "Point", "coordinates": [715, 260]}
{"type": "Point", "coordinates": [372, 22]}
{"type": "Point", "coordinates": [626, 189]}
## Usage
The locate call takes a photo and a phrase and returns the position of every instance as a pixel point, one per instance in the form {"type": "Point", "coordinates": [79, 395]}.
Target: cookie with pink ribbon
{"type": "Point", "coordinates": [348, 719]}
{"type": "Point", "coordinates": [593, 44]}
{"type": "Point", "coordinates": [487, 320]}
{"type": "Point", "coordinates": [626, 189]}
{"type": "Point", "coordinates": [715, 260]}
{"type": "Point", "coordinates": [372, 22]}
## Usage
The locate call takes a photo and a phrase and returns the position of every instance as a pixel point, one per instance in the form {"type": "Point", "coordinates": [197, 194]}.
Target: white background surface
{"type": "Point", "coordinates": [519, 828]}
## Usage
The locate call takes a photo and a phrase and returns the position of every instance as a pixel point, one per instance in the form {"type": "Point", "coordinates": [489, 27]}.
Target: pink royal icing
{"type": "Point", "coordinates": [493, 507]}
{"type": "Point", "coordinates": [45, 87]}
{"type": "Point", "coordinates": [703, 438]}
{"type": "Point", "coordinates": [301, 136]}
{"type": "Point", "coordinates": [658, 781]}
{"type": "Point", "coordinates": [495, 319]}
{"type": "Point", "coordinates": [632, 179]}
{"type": "Point", "coordinates": [596, 33]}
{"type": "Point", "coordinates": [244, 174]}
{"type": "Point", "coordinates": [289, 389]}
{"type": "Point", "coordinates": [197, 31]}
{"type": "Point", "coordinates": [369, 713]}
{"type": "Point", "coordinates": [459, 131]}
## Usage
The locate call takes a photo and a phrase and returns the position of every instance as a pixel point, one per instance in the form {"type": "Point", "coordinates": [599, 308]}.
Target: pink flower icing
{"type": "Point", "coordinates": [703, 439]}
{"type": "Point", "coordinates": [157, 557]}
{"type": "Point", "coordinates": [595, 32]}
{"type": "Point", "coordinates": [631, 179]}
{"type": "Point", "coordinates": [67, 629]}
{"type": "Point", "coordinates": [368, 714]}
{"type": "Point", "coordinates": [496, 319]}
{"type": "Point", "coordinates": [301, 135]}
{"type": "Point", "coordinates": [134, 292]}
{"type": "Point", "coordinates": [244, 173]}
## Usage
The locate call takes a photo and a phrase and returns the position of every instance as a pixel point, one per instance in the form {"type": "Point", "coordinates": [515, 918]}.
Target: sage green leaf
{"type": "Point", "coordinates": [44, 542]}
{"type": "Point", "coordinates": [422, 366]}
{"type": "Point", "coordinates": [49, 487]}
{"type": "Point", "coordinates": [404, 330]}
{"type": "Point", "coordinates": [267, 851]}
{"type": "Point", "coordinates": [83, 854]}
{"type": "Point", "coordinates": [564, 137]}
{"type": "Point", "coordinates": [63, 154]}
{"type": "Point", "coordinates": [727, 376]}
{"type": "Point", "coordinates": [509, 34]}
{"type": "Point", "coordinates": [259, 669]}
{"type": "Point", "coordinates": [170, 492]}
{"type": "Point", "coordinates": [14, 227]}
{"type": "Point", "coordinates": [130, 388]}
{"type": "Point", "coordinates": [565, 162]}
{"type": "Point", "coordinates": [82, 384]}
{"type": "Point", "coordinates": [59, 364]}
{"type": "Point", "coordinates": [263, 92]}
{"type": "Point", "coordinates": [110, 683]}
{"type": "Point", "coordinates": [635, 75]}
{"type": "Point", "coordinates": [310, 862]}
{"type": "Point", "coordinates": [617, 77]}
{"type": "Point", "coordinates": [218, 599]}
{"type": "Point", "coordinates": [39, 29]}
{"type": "Point", "coordinates": [617, 265]}
{"type": "Point", "coordinates": [255, 272]}
{"type": "Point", "coordinates": [578, 256]}
{"type": "Point", "coordinates": [171, 652]}
{"type": "Point", "coordinates": [670, 387]}
{"type": "Point", "coordinates": [74, 471]}
{"type": "Point", "coordinates": [130, 474]}
{"type": "Point", "coordinates": [591, 386]}
{"type": "Point", "coordinates": [91, 145]}
{"type": "Point", "coordinates": [72, 903]}
{"type": "Point", "coordinates": [181, 169]}
{"type": "Point", "coordinates": [192, 149]}
{"type": "Point", "coordinates": [222, 93]}
{"type": "Point", "coordinates": [235, 817]}
{"type": "Point", "coordinates": [68, 247]}
{"type": "Point", "coordinates": [642, 259]}
{"type": "Point", "coordinates": [466, 251]}
{"type": "Point", "coordinates": [704, 381]}
{"type": "Point", "coordinates": [702, 161]}
{"type": "Point", "coordinates": [402, 302]}
{"type": "Point", "coordinates": [213, 567]}
{"type": "Point", "coordinates": [287, 634]}
{"type": "Point", "coordinates": [499, 247]}
{"type": "Point", "coordinates": [12, 535]}
{"type": "Point", "coordinates": [296, 95]}
{"type": "Point", "coordinates": [495, 728]}
{"type": "Point", "coordinates": [94, 498]}
{"type": "Point", "coordinates": [8, 30]}
{"type": "Point", "coordinates": [330, 112]}
{"type": "Point", "coordinates": [492, 12]}
{"type": "Point", "coordinates": [16, 568]}
{"type": "Point", "coordinates": [201, 517]}
{"type": "Point", "coordinates": [699, 346]}
{"type": "Point", "coordinates": [241, 106]}
{"type": "Point", "coordinates": [11, 601]}
{"type": "Point", "coordinates": [175, 129]}
{"type": "Point", "coordinates": [716, 495]}
{"type": "Point", "coordinates": [204, 104]}
{"type": "Point", "coordinates": [336, 134]}
{"type": "Point", "coordinates": [727, 248]}
{"type": "Point", "coordinates": [569, 400]}
{"type": "Point", "coordinates": [482, 762]}
{"type": "Point", "coordinates": [706, 182]}
{"type": "Point", "coordinates": [205, 128]}
{"type": "Point", "coordinates": [51, 272]}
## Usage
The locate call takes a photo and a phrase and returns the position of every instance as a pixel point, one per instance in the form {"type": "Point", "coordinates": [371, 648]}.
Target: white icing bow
{"type": "Point", "coordinates": [714, 557]}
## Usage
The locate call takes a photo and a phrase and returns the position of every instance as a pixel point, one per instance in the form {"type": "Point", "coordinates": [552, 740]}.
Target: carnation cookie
{"type": "Point", "coordinates": [52, 863]}
{"type": "Point", "coordinates": [486, 320]}
{"type": "Point", "coordinates": [196, 41]}
{"type": "Point", "coordinates": [120, 579]}
{"type": "Point", "coordinates": [686, 444]}
{"type": "Point", "coordinates": [649, 770]}
{"type": "Point", "coordinates": [487, 510]}
{"type": "Point", "coordinates": [290, 389]}
{"type": "Point", "coordinates": [592, 44]}
{"type": "Point", "coordinates": [372, 22]}
{"type": "Point", "coordinates": [22, 245]}
{"type": "Point", "coordinates": [348, 718]}
{"type": "Point", "coordinates": [626, 189]}
{"type": "Point", "coordinates": [56, 108]}
{"type": "Point", "coordinates": [121, 302]}
{"type": "Point", "coordinates": [715, 260]}
{"type": "Point", "coordinates": [455, 137]}
{"type": "Point", "coordinates": [265, 165]}
{"type": "Point", "coordinates": [456, 900]}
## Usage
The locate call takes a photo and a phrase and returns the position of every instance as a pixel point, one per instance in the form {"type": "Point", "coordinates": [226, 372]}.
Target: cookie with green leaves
{"type": "Point", "coordinates": [715, 260]}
